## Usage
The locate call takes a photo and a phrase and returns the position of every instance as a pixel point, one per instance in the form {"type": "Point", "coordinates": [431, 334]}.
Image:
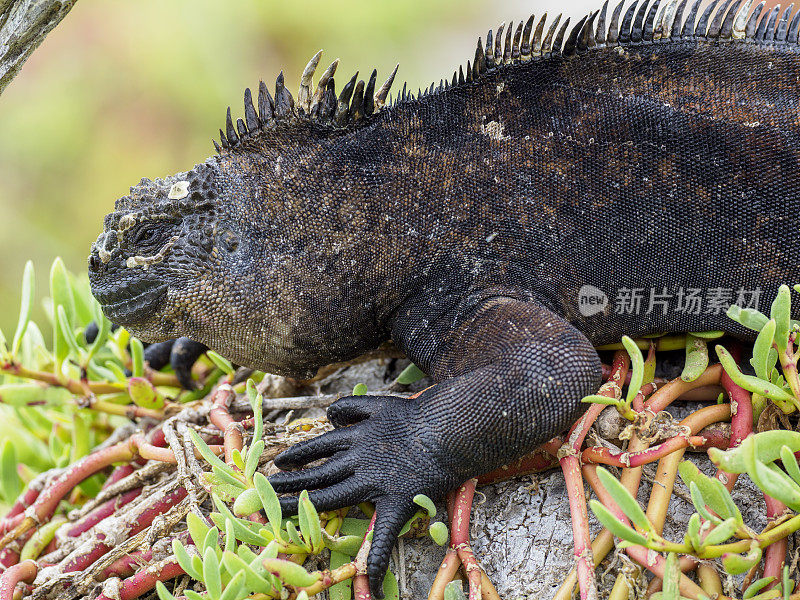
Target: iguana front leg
{"type": "Point", "coordinates": [511, 375]}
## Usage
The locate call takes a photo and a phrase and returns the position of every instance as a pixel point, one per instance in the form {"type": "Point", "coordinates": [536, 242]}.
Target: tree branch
{"type": "Point", "coordinates": [23, 26]}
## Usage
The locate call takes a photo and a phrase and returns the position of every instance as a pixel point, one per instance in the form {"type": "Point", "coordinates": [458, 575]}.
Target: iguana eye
{"type": "Point", "coordinates": [147, 235]}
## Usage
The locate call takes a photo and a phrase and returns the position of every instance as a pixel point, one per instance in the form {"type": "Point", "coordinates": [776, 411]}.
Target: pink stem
{"type": "Point", "coordinates": [22, 572]}
{"type": "Point", "coordinates": [601, 455]}
{"type": "Point", "coordinates": [118, 473]}
{"type": "Point", "coordinates": [741, 417]}
{"type": "Point", "coordinates": [98, 548]}
{"type": "Point", "coordinates": [220, 416]}
{"type": "Point", "coordinates": [571, 465]}
{"type": "Point", "coordinates": [106, 509]}
{"type": "Point", "coordinates": [145, 580]}
{"type": "Point", "coordinates": [127, 565]}
{"type": "Point", "coordinates": [774, 554]}
{"type": "Point", "coordinates": [361, 581]}
{"type": "Point", "coordinates": [459, 536]}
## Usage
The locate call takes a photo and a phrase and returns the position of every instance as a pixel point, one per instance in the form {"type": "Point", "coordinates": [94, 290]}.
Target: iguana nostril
{"type": "Point", "coordinates": [94, 262]}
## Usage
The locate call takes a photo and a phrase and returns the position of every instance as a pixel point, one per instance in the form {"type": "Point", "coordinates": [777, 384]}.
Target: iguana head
{"type": "Point", "coordinates": [159, 251]}
{"type": "Point", "coordinates": [229, 254]}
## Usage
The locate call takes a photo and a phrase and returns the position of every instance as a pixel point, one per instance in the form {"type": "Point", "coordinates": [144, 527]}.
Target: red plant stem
{"type": "Point", "coordinates": [652, 561]}
{"type": "Point", "coordinates": [774, 554]}
{"type": "Point", "coordinates": [220, 416]}
{"type": "Point", "coordinates": [45, 505]}
{"type": "Point", "coordinates": [146, 579]}
{"type": "Point", "coordinates": [361, 581]}
{"type": "Point", "coordinates": [118, 473]}
{"type": "Point", "coordinates": [127, 565]}
{"type": "Point", "coordinates": [86, 556]}
{"type": "Point", "coordinates": [569, 457]}
{"type": "Point", "coordinates": [10, 523]}
{"type": "Point", "coordinates": [459, 536]}
{"type": "Point", "coordinates": [678, 387]}
{"type": "Point", "coordinates": [536, 462]}
{"type": "Point", "coordinates": [685, 564]}
{"type": "Point", "coordinates": [23, 572]}
{"type": "Point", "coordinates": [106, 509]}
{"type": "Point", "coordinates": [741, 417]}
{"type": "Point", "coordinates": [8, 558]}
{"type": "Point", "coordinates": [25, 499]}
{"type": "Point", "coordinates": [601, 455]}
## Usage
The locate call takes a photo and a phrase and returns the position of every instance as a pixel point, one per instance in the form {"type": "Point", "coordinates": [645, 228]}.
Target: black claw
{"type": "Point", "coordinates": [323, 446]}
{"type": "Point", "coordinates": [346, 493]}
{"type": "Point", "coordinates": [392, 514]}
{"type": "Point", "coordinates": [333, 471]}
{"type": "Point", "coordinates": [183, 355]}
{"type": "Point", "coordinates": [92, 329]}
{"type": "Point", "coordinates": [158, 355]}
{"type": "Point", "coordinates": [353, 409]}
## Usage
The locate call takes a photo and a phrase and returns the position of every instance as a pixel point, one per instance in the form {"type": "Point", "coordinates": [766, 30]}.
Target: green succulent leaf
{"type": "Point", "coordinates": [750, 383]}
{"type": "Point", "coordinates": [211, 574]}
{"type": "Point", "coordinates": [345, 544]}
{"type": "Point", "coordinates": [238, 459]}
{"type": "Point", "coordinates": [426, 503]}
{"type": "Point", "coordinates": [10, 482]}
{"type": "Point", "coordinates": [672, 578]}
{"type": "Point", "coordinates": [242, 530]}
{"type": "Point", "coordinates": [615, 526]}
{"type": "Point", "coordinates": [439, 532]}
{"type": "Point", "coordinates": [137, 358]}
{"type": "Point", "coordinates": [713, 492]}
{"type": "Point", "coordinates": [781, 314]}
{"type": "Point", "coordinates": [163, 592]}
{"type": "Point", "coordinates": [391, 591]}
{"type": "Point", "coordinates": [747, 317]}
{"type": "Point", "coordinates": [768, 444]}
{"type": "Point", "coordinates": [253, 455]}
{"type": "Point", "coordinates": [454, 591]}
{"type": "Point", "coordinates": [755, 587]}
{"type": "Point", "coordinates": [764, 356]}
{"type": "Point", "coordinates": [208, 455]}
{"type": "Point", "coordinates": [696, 358]}
{"type": "Point", "coordinates": [247, 503]}
{"type": "Point", "coordinates": [185, 561]}
{"type": "Point", "coordinates": [221, 362]}
{"type": "Point", "coordinates": [236, 588]}
{"type": "Point", "coordinates": [26, 306]}
{"type": "Point", "coordinates": [736, 564]}
{"type": "Point", "coordinates": [721, 532]}
{"type": "Point", "coordinates": [270, 502]}
{"type": "Point", "coordinates": [310, 525]}
{"type": "Point", "coordinates": [790, 463]}
{"type": "Point", "coordinates": [627, 503]}
{"type": "Point", "coordinates": [360, 389]}
{"type": "Point", "coordinates": [197, 529]}
{"type": "Point", "coordinates": [343, 589]}
{"type": "Point", "coordinates": [256, 582]}
{"type": "Point", "coordinates": [291, 573]}
{"type": "Point", "coordinates": [411, 374]}
{"type": "Point", "coordinates": [637, 368]}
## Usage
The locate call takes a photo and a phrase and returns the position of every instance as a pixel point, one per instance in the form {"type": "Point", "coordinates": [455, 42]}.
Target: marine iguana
{"type": "Point", "coordinates": [633, 174]}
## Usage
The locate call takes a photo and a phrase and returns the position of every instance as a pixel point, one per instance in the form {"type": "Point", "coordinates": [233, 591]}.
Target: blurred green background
{"type": "Point", "coordinates": [122, 90]}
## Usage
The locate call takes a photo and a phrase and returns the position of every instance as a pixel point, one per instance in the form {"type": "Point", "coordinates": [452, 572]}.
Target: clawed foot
{"type": "Point", "coordinates": [180, 354]}
{"type": "Point", "coordinates": [381, 451]}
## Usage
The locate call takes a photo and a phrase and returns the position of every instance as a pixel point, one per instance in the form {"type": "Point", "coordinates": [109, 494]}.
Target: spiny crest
{"type": "Point", "coordinates": [639, 22]}
{"type": "Point", "coordinates": [356, 102]}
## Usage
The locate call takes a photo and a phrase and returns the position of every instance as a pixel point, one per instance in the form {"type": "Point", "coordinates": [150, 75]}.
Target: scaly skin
{"type": "Point", "coordinates": [465, 225]}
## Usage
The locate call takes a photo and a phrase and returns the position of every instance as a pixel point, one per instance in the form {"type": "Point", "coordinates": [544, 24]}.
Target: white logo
{"type": "Point", "coordinates": [591, 300]}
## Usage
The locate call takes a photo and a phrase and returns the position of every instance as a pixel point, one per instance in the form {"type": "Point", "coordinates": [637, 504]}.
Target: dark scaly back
{"type": "Point", "coordinates": [652, 146]}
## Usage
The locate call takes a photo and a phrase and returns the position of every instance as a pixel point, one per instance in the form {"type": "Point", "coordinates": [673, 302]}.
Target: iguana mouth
{"type": "Point", "coordinates": [135, 305]}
